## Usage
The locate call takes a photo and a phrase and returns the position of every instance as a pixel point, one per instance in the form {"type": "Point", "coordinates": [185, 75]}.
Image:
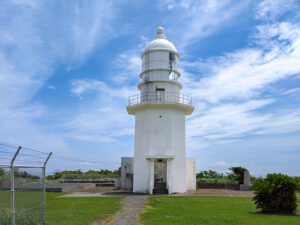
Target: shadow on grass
{"type": "Point", "coordinates": [123, 194]}
{"type": "Point", "coordinates": [276, 214]}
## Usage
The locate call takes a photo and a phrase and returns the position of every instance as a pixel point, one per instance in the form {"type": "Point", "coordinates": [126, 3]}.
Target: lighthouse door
{"type": "Point", "coordinates": [160, 176]}
{"type": "Point", "coordinates": [160, 94]}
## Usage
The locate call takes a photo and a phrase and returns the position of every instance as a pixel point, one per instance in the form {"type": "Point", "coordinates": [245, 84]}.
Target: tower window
{"type": "Point", "coordinates": [171, 57]}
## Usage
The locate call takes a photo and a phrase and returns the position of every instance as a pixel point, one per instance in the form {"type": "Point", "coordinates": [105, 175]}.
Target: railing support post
{"type": "Point", "coordinates": [44, 188]}
{"type": "Point", "coordinates": [12, 187]}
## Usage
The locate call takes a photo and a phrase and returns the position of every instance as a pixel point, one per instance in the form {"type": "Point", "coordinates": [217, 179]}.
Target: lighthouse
{"type": "Point", "coordinates": [159, 164]}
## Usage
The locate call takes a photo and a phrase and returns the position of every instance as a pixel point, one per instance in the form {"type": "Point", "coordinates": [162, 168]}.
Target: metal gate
{"type": "Point", "coordinates": [160, 176]}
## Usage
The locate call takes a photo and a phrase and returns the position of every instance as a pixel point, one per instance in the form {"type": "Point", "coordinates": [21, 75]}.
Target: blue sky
{"type": "Point", "coordinates": [68, 67]}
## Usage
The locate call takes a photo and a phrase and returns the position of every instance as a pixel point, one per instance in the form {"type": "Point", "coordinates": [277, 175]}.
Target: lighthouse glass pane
{"type": "Point", "coordinates": [171, 57]}
{"type": "Point", "coordinates": [160, 172]}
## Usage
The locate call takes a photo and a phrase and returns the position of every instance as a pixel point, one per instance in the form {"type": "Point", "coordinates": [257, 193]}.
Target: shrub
{"type": "Point", "coordinates": [238, 173]}
{"type": "Point", "coordinates": [298, 183]}
{"type": "Point", "coordinates": [275, 194]}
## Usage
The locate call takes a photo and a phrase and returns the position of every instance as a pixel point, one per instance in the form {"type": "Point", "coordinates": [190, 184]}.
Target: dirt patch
{"type": "Point", "coordinates": [218, 192]}
{"type": "Point", "coordinates": [103, 189]}
{"type": "Point", "coordinates": [131, 209]}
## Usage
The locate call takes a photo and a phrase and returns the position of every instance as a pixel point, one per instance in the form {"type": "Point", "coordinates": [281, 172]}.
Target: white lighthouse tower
{"type": "Point", "coordinates": [160, 163]}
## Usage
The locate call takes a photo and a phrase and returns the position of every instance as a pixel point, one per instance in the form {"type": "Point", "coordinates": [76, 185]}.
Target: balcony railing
{"type": "Point", "coordinates": [168, 98]}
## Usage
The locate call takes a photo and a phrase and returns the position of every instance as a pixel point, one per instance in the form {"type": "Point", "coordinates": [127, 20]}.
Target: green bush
{"type": "Point", "coordinates": [298, 183]}
{"type": "Point", "coordinates": [276, 194]}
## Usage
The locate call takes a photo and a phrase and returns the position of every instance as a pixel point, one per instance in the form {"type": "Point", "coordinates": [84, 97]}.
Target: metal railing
{"type": "Point", "coordinates": [168, 98]}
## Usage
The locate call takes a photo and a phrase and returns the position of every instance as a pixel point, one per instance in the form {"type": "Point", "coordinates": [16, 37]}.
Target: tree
{"type": "Point", "coordinates": [237, 174]}
{"type": "Point", "coordinates": [208, 174]}
{"type": "Point", "coordinates": [92, 172]}
{"type": "Point", "coordinates": [2, 172]}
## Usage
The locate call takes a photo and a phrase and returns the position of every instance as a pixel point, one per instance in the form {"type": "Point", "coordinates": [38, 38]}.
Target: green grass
{"type": "Point", "coordinates": [59, 211]}
{"type": "Point", "coordinates": [209, 210]}
{"type": "Point", "coordinates": [28, 206]}
{"type": "Point", "coordinates": [80, 211]}
{"type": "Point", "coordinates": [159, 210]}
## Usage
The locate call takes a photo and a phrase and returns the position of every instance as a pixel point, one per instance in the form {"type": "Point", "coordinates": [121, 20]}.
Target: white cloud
{"type": "Point", "coordinates": [51, 87]}
{"type": "Point", "coordinates": [35, 37]}
{"type": "Point", "coordinates": [128, 64]}
{"type": "Point", "coordinates": [270, 9]}
{"type": "Point", "coordinates": [31, 48]}
{"type": "Point", "coordinates": [242, 78]}
{"type": "Point", "coordinates": [80, 87]}
{"type": "Point", "coordinates": [105, 118]}
{"type": "Point", "coordinates": [247, 72]}
{"type": "Point", "coordinates": [194, 20]}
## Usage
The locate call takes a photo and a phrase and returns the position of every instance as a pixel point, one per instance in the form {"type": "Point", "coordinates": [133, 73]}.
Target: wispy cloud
{"type": "Point", "coordinates": [247, 72]}
{"type": "Point", "coordinates": [198, 19]}
{"type": "Point", "coordinates": [104, 120]}
{"type": "Point", "coordinates": [36, 37]}
{"type": "Point", "coordinates": [81, 87]}
{"type": "Point", "coordinates": [232, 97]}
{"type": "Point", "coordinates": [31, 48]}
{"type": "Point", "coordinates": [271, 9]}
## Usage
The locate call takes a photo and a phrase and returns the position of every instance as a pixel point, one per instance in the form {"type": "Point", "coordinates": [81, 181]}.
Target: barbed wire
{"type": "Point", "coordinates": [8, 145]}
{"type": "Point", "coordinates": [22, 154]}
{"type": "Point", "coordinates": [56, 155]}
{"type": "Point", "coordinates": [24, 160]}
{"type": "Point", "coordinates": [29, 149]}
{"type": "Point", "coordinates": [7, 152]}
{"type": "Point", "coordinates": [5, 158]}
{"type": "Point", "coordinates": [33, 150]}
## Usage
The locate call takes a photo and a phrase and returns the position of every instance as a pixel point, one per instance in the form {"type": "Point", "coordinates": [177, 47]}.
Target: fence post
{"type": "Point", "coordinates": [12, 186]}
{"type": "Point", "coordinates": [44, 187]}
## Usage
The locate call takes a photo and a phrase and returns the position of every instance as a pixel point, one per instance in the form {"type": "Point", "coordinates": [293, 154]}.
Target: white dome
{"type": "Point", "coordinates": [160, 42]}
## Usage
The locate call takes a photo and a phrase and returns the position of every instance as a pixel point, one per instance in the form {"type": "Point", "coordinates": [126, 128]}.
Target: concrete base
{"type": "Point", "coordinates": [191, 174]}
{"type": "Point", "coordinates": [244, 187]}
{"type": "Point", "coordinates": [126, 182]}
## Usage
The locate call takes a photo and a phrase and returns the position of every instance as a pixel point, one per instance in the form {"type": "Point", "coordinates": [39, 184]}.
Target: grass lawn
{"type": "Point", "coordinates": [28, 207]}
{"type": "Point", "coordinates": [80, 211]}
{"type": "Point", "coordinates": [59, 211]}
{"type": "Point", "coordinates": [209, 210]}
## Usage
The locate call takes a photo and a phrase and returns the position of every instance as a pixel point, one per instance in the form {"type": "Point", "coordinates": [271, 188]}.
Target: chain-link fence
{"type": "Point", "coordinates": [22, 185]}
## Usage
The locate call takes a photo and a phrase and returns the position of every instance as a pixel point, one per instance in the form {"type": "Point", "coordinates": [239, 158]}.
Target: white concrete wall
{"type": "Point", "coordinates": [159, 131]}
{"type": "Point", "coordinates": [191, 174]}
{"type": "Point", "coordinates": [126, 173]}
{"type": "Point", "coordinates": [168, 86]}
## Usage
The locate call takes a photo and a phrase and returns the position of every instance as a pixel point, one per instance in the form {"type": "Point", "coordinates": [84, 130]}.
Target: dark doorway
{"type": "Point", "coordinates": [160, 176]}
{"type": "Point", "coordinates": [160, 94]}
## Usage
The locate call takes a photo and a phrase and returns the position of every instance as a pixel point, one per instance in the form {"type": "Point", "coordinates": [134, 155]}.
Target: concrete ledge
{"type": "Point", "coordinates": [244, 187]}
{"type": "Point", "coordinates": [218, 186]}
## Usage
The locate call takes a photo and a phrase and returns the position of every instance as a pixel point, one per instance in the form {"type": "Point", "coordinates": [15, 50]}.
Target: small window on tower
{"type": "Point", "coordinates": [171, 57]}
